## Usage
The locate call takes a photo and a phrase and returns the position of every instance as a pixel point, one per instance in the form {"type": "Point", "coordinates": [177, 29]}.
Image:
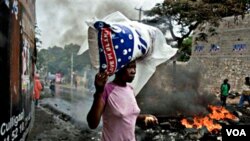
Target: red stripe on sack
{"type": "Point", "coordinates": [109, 51]}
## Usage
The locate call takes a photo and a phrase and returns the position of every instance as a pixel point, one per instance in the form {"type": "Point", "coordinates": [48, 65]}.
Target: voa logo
{"type": "Point", "coordinates": [236, 132]}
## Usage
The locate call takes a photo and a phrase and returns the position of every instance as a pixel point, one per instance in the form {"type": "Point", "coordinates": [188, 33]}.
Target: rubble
{"type": "Point", "coordinates": [52, 124]}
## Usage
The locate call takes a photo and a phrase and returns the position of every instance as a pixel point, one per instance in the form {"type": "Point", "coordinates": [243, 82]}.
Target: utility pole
{"type": "Point", "coordinates": [71, 76]}
{"type": "Point", "coordinates": [140, 12]}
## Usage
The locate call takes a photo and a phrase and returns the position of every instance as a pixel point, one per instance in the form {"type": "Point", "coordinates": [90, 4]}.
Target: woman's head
{"type": "Point", "coordinates": [127, 73]}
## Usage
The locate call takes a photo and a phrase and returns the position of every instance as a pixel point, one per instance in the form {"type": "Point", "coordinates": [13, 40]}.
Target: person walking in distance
{"type": "Point", "coordinates": [224, 89]}
{"type": "Point", "coordinates": [37, 89]}
{"type": "Point", "coordinates": [52, 87]}
{"type": "Point", "coordinates": [115, 102]}
{"type": "Point", "coordinates": [245, 95]}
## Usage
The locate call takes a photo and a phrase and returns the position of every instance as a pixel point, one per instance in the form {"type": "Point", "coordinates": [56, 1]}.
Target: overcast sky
{"type": "Point", "coordinates": [63, 21]}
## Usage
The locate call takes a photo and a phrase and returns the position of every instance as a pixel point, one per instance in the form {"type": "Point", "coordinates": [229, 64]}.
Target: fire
{"type": "Point", "coordinates": [217, 113]}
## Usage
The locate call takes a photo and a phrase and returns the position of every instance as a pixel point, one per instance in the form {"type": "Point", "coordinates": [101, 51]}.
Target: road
{"type": "Point", "coordinates": [62, 117]}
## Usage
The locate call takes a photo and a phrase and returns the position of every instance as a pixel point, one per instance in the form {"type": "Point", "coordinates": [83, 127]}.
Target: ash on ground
{"type": "Point", "coordinates": [54, 121]}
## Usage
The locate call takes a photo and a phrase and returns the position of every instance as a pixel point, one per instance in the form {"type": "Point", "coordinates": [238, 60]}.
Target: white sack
{"type": "Point", "coordinates": [114, 41]}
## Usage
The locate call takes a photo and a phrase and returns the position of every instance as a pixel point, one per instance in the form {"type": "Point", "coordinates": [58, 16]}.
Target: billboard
{"type": "Point", "coordinates": [17, 60]}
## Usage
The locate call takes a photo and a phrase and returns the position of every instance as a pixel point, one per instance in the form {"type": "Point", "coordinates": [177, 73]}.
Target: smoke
{"type": "Point", "coordinates": [63, 21]}
{"type": "Point", "coordinates": [176, 90]}
{"type": "Point", "coordinates": [72, 102]}
{"type": "Point", "coordinates": [80, 104]}
{"type": "Point", "coordinates": [80, 111]}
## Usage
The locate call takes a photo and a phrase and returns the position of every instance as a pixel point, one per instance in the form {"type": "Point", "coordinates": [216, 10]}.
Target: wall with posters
{"type": "Point", "coordinates": [224, 55]}
{"type": "Point", "coordinates": [17, 60]}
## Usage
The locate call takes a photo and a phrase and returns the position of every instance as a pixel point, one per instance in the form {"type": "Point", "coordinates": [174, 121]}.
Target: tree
{"type": "Point", "coordinates": [38, 36]}
{"type": "Point", "coordinates": [185, 50]}
{"type": "Point", "coordinates": [189, 15]}
{"type": "Point", "coordinates": [57, 59]}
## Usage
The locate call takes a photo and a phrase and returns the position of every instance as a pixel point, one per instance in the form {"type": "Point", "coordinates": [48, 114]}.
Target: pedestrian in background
{"type": "Point", "coordinates": [52, 87]}
{"type": "Point", "coordinates": [245, 95]}
{"type": "Point", "coordinates": [224, 90]}
{"type": "Point", "coordinates": [37, 88]}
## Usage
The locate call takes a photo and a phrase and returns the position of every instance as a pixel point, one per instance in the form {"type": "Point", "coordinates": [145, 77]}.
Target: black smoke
{"type": "Point", "coordinates": [176, 90]}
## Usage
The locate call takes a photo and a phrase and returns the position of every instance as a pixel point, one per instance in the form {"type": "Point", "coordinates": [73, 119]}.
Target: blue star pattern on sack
{"type": "Point", "coordinates": [117, 44]}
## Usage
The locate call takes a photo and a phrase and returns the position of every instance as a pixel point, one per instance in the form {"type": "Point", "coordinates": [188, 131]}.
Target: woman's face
{"type": "Point", "coordinates": [130, 71]}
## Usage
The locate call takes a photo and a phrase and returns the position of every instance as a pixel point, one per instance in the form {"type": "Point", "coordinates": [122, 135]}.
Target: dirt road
{"type": "Point", "coordinates": [52, 124]}
{"type": "Point", "coordinates": [50, 127]}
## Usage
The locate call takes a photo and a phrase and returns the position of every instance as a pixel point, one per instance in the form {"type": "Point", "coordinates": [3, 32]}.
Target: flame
{"type": "Point", "coordinates": [217, 113]}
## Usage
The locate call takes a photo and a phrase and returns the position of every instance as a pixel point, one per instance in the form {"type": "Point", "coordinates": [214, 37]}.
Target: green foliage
{"type": "Point", "coordinates": [189, 15]}
{"type": "Point", "coordinates": [57, 59]}
{"type": "Point", "coordinates": [185, 50]}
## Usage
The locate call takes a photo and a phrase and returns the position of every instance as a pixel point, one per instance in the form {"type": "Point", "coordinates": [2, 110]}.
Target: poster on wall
{"type": "Point", "coordinates": [214, 48]}
{"type": "Point", "coordinates": [16, 68]}
{"type": "Point", "coordinates": [239, 47]}
{"type": "Point", "coordinates": [199, 48]}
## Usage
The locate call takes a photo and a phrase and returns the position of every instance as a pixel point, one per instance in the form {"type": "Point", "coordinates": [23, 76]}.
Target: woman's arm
{"type": "Point", "coordinates": [147, 120]}
{"type": "Point", "coordinates": [96, 111]}
{"type": "Point", "coordinates": [98, 105]}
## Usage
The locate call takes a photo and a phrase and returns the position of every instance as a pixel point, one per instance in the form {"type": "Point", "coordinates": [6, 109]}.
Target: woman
{"type": "Point", "coordinates": [116, 103]}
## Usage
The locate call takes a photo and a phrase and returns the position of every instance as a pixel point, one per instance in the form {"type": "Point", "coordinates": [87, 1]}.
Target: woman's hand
{"type": "Point", "coordinates": [100, 80]}
{"type": "Point", "coordinates": [150, 120]}
{"type": "Point", "coordinates": [145, 120]}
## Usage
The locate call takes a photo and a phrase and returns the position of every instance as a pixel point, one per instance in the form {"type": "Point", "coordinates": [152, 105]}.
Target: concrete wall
{"type": "Point", "coordinates": [216, 69]}
{"type": "Point", "coordinates": [207, 68]}
{"type": "Point", "coordinates": [230, 60]}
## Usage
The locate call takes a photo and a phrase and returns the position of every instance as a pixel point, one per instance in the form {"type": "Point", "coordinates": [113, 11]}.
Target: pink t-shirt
{"type": "Point", "coordinates": [120, 114]}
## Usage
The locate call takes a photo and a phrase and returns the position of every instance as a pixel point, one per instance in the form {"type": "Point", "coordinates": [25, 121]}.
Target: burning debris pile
{"type": "Point", "coordinates": [203, 128]}
{"type": "Point", "coordinates": [187, 114]}
{"type": "Point", "coordinates": [217, 113]}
